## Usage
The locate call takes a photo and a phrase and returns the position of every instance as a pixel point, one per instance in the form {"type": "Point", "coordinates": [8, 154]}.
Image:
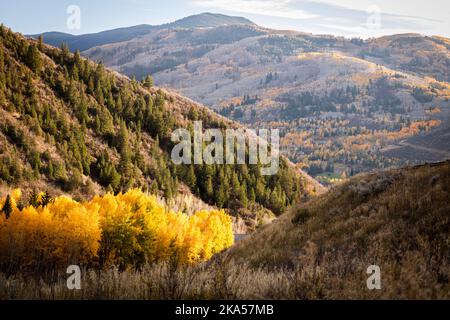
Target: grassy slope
{"type": "Point", "coordinates": [398, 219]}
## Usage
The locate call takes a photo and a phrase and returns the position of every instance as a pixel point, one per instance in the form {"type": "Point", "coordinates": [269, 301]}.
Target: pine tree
{"type": "Point", "coordinates": [50, 170]}
{"type": "Point", "coordinates": [41, 42]}
{"type": "Point", "coordinates": [77, 59]}
{"type": "Point", "coordinates": [30, 90]}
{"type": "Point", "coordinates": [148, 82]}
{"type": "Point", "coordinates": [33, 59]}
{"type": "Point", "coordinates": [219, 195]}
{"type": "Point", "coordinates": [2, 59]}
{"type": "Point", "coordinates": [46, 199]}
{"type": "Point", "coordinates": [33, 199]}
{"type": "Point", "coordinates": [154, 187]}
{"type": "Point", "coordinates": [191, 179]}
{"type": "Point", "coordinates": [64, 52]}
{"type": "Point", "coordinates": [7, 207]}
{"type": "Point", "coordinates": [252, 196]}
{"type": "Point", "coordinates": [209, 188]}
{"type": "Point", "coordinates": [125, 153]}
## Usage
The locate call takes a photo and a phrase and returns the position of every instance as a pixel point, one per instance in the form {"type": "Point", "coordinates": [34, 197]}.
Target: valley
{"type": "Point", "coordinates": [88, 176]}
{"type": "Point", "coordinates": [73, 127]}
{"type": "Point", "coordinates": [340, 103]}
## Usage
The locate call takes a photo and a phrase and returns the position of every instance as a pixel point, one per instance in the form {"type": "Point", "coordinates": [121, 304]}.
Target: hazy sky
{"type": "Point", "coordinates": [350, 18]}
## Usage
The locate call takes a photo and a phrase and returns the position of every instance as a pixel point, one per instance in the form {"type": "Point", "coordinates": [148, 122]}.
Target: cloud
{"type": "Point", "coordinates": [323, 16]}
{"type": "Point", "coordinates": [273, 8]}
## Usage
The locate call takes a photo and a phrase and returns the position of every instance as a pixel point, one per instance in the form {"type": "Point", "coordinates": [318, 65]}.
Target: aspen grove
{"type": "Point", "coordinates": [124, 230]}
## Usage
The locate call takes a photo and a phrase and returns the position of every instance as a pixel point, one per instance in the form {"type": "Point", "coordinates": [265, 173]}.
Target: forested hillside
{"type": "Point", "coordinates": [71, 126]}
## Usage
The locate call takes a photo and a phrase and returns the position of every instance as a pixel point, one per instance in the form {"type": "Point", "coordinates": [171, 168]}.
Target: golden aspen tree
{"type": "Point", "coordinates": [124, 230]}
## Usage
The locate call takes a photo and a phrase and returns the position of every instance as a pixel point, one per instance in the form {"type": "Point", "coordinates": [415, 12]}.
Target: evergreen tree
{"type": "Point", "coordinates": [209, 188]}
{"type": "Point", "coordinates": [33, 199]}
{"type": "Point", "coordinates": [125, 153]}
{"type": "Point", "coordinates": [41, 43]}
{"type": "Point", "coordinates": [64, 52]}
{"type": "Point", "coordinates": [148, 82]}
{"type": "Point", "coordinates": [33, 59]}
{"type": "Point", "coordinates": [7, 207]}
{"type": "Point", "coordinates": [191, 179]}
{"type": "Point", "coordinates": [46, 199]}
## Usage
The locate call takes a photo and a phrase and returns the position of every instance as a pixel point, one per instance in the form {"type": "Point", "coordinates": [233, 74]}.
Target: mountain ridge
{"type": "Point", "coordinates": [86, 41]}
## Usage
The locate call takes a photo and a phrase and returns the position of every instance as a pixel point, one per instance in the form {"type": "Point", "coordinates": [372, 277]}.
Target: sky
{"type": "Point", "coordinates": [350, 18]}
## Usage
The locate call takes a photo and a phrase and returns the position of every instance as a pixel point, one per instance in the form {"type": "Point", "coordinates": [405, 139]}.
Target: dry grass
{"type": "Point", "coordinates": [163, 281]}
{"type": "Point", "coordinates": [399, 220]}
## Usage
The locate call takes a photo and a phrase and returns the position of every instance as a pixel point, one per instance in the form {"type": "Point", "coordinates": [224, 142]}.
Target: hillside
{"type": "Point", "coordinates": [71, 126]}
{"type": "Point", "coordinates": [413, 53]}
{"type": "Point", "coordinates": [344, 105]}
{"type": "Point", "coordinates": [398, 220]}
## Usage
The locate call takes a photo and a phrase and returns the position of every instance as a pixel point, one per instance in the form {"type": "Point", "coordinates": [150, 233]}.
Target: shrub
{"type": "Point", "coordinates": [301, 216]}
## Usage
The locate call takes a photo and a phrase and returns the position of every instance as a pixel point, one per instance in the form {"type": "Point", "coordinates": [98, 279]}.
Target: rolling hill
{"type": "Point", "coordinates": [73, 127]}
{"type": "Point", "coordinates": [398, 220]}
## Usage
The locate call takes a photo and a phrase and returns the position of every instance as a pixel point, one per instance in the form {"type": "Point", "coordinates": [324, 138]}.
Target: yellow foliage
{"type": "Point", "coordinates": [124, 230]}
{"type": "Point", "coordinates": [62, 233]}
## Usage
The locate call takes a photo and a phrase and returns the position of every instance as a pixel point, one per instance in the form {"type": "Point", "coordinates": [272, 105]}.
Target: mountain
{"type": "Point", "coordinates": [207, 20]}
{"type": "Point", "coordinates": [397, 220]}
{"type": "Point", "coordinates": [87, 41]}
{"type": "Point", "coordinates": [344, 105]}
{"type": "Point", "coordinates": [74, 127]}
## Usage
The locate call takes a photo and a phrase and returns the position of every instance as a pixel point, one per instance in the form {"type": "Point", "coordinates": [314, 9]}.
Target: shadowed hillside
{"type": "Point", "coordinates": [398, 220]}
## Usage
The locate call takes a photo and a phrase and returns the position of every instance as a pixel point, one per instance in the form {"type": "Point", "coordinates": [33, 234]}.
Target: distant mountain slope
{"type": "Point", "coordinates": [344, 105]}
{"type": "Point", "coordinates": [422, 55]}
{"type": "Point", "coordinates": [208, 20]}
{"type": "Point", "coordinates": [341, 103]}
{"type": "Point", "coordinates": [398, 220]}
{"type": "Point", "coordinates": [75, 127]}
{"type": "Point", "coordinates": [87, 41]}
